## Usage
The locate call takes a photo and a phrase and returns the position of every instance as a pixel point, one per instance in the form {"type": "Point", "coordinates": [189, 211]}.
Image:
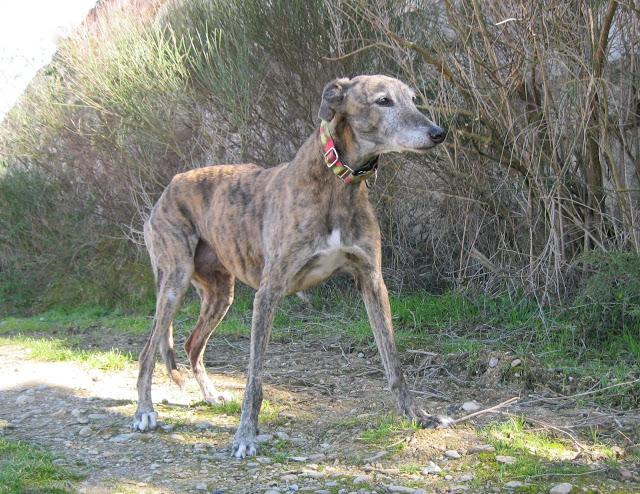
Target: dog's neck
{"type": "Point", "coordinates": [311, 164]}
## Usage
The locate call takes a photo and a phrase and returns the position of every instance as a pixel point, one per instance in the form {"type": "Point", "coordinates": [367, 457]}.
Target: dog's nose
{"type": "Point", "coordinates": [437, 134]}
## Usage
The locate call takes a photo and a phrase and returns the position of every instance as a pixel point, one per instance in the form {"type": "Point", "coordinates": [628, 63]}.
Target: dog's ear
{"type": "Point", "coordinates": [332, 97]}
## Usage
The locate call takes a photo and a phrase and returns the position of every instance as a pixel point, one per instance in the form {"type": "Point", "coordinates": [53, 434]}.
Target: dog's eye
{"type": "Point", "coordinates": [384, 101]}
{"type": "Point", "coordinates": [415, 100]}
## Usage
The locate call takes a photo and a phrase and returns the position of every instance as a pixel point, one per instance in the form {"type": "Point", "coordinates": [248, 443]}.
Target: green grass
{"type": "Point", "coordinates": [56, 350]}
{"type": "Point", "coordinates": [387, 431]}
{"type": "Point", "coordinates": [25, 469]}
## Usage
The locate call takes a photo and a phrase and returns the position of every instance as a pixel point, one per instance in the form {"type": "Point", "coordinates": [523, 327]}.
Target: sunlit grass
{"type": "Point", "coordinates": [24, 469]}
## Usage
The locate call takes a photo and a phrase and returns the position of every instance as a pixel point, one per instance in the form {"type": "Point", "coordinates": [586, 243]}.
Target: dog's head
{"type": "Point", "coordinates": [379, 115]}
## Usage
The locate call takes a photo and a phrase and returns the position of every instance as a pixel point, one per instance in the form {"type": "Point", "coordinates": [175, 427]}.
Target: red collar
{"type": "Point", "coordinates": [332, 159]}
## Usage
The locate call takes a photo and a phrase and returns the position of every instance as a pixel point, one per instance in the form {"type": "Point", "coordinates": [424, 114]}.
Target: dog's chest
{"type": "Point", "coordinates": [329, 258]}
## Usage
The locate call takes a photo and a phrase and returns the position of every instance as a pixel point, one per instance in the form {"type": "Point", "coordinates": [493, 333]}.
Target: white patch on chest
{"type": "Point", "coordinates": [329, 259]}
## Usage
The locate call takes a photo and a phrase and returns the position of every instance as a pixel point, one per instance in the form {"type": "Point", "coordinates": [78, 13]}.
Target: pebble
{"type": "Point", "coordinates": [167, 427]}
{"type": "Point", "coordinates": [483, 448]}
{"type": "Point", "coordinates": [154, 466]}
{"type": "Point", "coordinates": [507, 460]}
{"type": "Point", "coordinates": [58, 461]}
{"type": "Point", "coordinates": [203, 425]}
{"type": "Point", "coordinates": [22, 399]}
{"type": "Point", "coordinates": [452, 453]}
{"type": "Point", "coordinates": [123, 438]}
{"type": "Point", "coordinates": [60, 413]}
{"type": "Point", "coordinates": [294, 488]}
{"type": "Point", "coordinates": [404, 490]}
{"type": "Point", "coordinates": [84, 431]}
{"type": "Point", "coordinates": [97, 416]}
{"type": "Point", "coordinates": [514, 484]}
{"type": "Point", "coordinates": [448, 477]}
{"type": "Point", "coordinates": [471, 406]}
{"type": "Point", "coordinates": [360, 479]}
{"type": "Point", "coordinates": [317, 456]}
{"type": "Point", "coordinates": [299, 459]}
{"type": "Point", "coordinates": [82, 420]}
{"type": "Point", "coordinates": [263, 438]}
{"type": "Point", "coordinates": [493, 361]}
{"type": "Point", "coordinates": [282, 435]}
{"type": "Point", "coordinates": [76, 412]}
{"type": "Point", "coordinates": [313, 474]}
{"type": "Point", "coordinates": [466, 477]}
{"type": "Point", "coordinates": [626, 474]}
{"type": "Point", "coordinates": [265, 460]}
{"type": "Point", "coordinates": [360, 355]}
{"type": "Point", "coordinates": [289, 477]}
{"type": "Point", "coordinates": [252, 464]}
{"type": "Point", "coordinates": [564, 488]}
{"type": "Point", "coordinates": [201, 487]}
{"type": "Point", "coordinates": [322, 491]}
{"type": "Point", "coordinates": [431, 469]}
{"type": "Point", "coordinates": [516, 362]}
{"type": "Point", "coordinates": [272, 491]}
{"type": "Point", "coordinates": [331, 483]}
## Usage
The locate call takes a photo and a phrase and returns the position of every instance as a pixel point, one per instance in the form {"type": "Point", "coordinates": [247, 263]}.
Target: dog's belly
{"type": "Point", "coordinates": [323, 263]}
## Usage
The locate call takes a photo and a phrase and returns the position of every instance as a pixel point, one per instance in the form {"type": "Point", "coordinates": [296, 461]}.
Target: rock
{"type": "Point", "coordinates": [82, 420]}
{"type": "Point", "coordinates": [76, 412]}
{"type": "Point", "coordinates": [123, 438]}
{"type": "Point", "coordinates": [360, 479]}
{"type": "Point", "coordinates": [97, 416]}
{"type": "Point", "coordinates": [514, 484]}
{"type": "Point", "coordinates": [167, 427]}
{"type": "Point", "coordinates": [493, 361]}
{"type": "Point", "coordinates": [360, 355]}
{"type": "Point", "coordinates": [516, 362]}
{"type": "Point", "coordinates": [431, 469]}
{"type": "Point", "coordinates": [507, 460]}
{"type": "Point", "coordinates": [22, 399]}
{"type": "Point", "coordinates": [201, 487]}
{"type": "Point", "coordinates": [282, 435]}
{"type": "Point", "coordinates": [263, 438]}
{"type": "Point", "coordinates": [471, 406]}
{"type": "Point", "coordinates": [294, 488]}
{"type": "Point", "coordinates": [458, 488]}
{"type": "Point", "coordinates": [299, 459]}
{"type": "Point", "coordinates": [482, 448]}
{"type": "Point", "coordinates": [312, 474]}
{"type": "Point", "coordinates": [331, 483]}
{"type": "Point", "coordinates": [272, 491]}
{"type": "Point", "coordinates": [452, 453]}
{"type": "Point", "coordinates": [84, 431]}
{"type": "Point", "coordinates": [564, 488]}
{"type": "Point", "coordinates": [466, 477]}
{"type": "Point", "coordinates": [252, 464]}
{"type": "Point", "coordinates": [265, 460]}
{"type": "Point", "coordinates": [626, 474]}
{"type": "Point", "coordinates": [317, 456]}
{"type": "Point", "coordinates": [59, 461]}
{"type": "Point", "coordinates": [289, 477]}
{"type": "Point", "coordinates": [448, 477]}
{"type": "Point", "coordinates": [60, 413]}
{"type": "Point", "coordinates": [203, 425]}
{"type": "Point", "coordinates": [154, 466]}
{"type": "Point", "coordinates": [404, 490]}
{"type": "Point", "coordinates": [322, 491]}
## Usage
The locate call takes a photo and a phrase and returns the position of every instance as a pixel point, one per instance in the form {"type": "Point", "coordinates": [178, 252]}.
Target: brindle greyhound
{"type": "Point", "coordinates": [281, 230]}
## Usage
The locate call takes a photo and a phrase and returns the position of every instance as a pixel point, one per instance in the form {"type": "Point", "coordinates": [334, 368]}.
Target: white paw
{"type": "Point", "coordinates": [145, 421]}
{"type": "Point", "coordinates": [218, 397]}
{"type": "Point", "coordinates": [243, 448]}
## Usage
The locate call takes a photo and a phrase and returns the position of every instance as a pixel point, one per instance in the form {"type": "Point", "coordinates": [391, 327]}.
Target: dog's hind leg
{"type": "Point", "coordinates": [172, 260]}
{"type": "Point", "coordinates": [215, 286]}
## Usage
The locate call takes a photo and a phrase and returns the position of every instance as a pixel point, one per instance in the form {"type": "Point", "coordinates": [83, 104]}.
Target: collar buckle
{"type": "Point", "coordinates": [328, 161]}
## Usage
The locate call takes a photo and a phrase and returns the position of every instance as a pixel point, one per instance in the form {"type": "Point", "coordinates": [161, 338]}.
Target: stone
{"type": "Point", "coordinates": [201, 487]}
{"type": "Point", "coordinates": [97, 416]}
{"type": "Point", "coordinates": [123, 438]}
{"type": "Point", "coordinates": [431, 469]}
{"type": "Point", "coordinates": [265, 460]}
{"type": "Point", "coordinates": [317, 456]}
{"type": "Point", "coordinates": [289, 477]}
{"type": "Point", "coordinates": [360, 355]}
{"type": "Point", "coordinates": [84, 431]}
{"type": "Point", "coordinates": [448, 477]}
{"type": "Point", "coordinates": [272, 491]}
{"type": "Point", "coordinates": [466, 477]}
{"type": "Point", "coordinates": [626, 474]}
{"type": "Point", "coordinates": [452, 453]}
{"type": "Point", "coordinates": [514, 484]}
{"type": "Point", "coordinates": [471, 406]}
{"type": "Point", "coordinates": [82, 420]}
{"type": "Point", "coordinates": [507, 460]}
{"type": "Point", "coordinates": [493, 361]}
{"type": "Point", "coordinates": [282, 435]}
{"type": "Point", "coordinates": [482, 448]}
{"type": "Point", "coordinates": [203, 425]}
{"type": "Point", "coordinates": [22, 399]}
{"type": "Point", "coordinates": [403, 490]}
{"type": "Point", "coordinates": [298, 459]}
{"type": "Point", "coordinates": [360, 479]}
{"type": "Point", "coordinates": [294, 488]}
{"type": "Point", "coordinates": [516, 362]}
{"type": "Point", "coordinates": [263, 438]}
{"type": "Point", "coordinates": [564, 488]}
{"type": "Point", "coordinates": [322, 491]}
{"type": "Point", "coordinates": [76, 412]}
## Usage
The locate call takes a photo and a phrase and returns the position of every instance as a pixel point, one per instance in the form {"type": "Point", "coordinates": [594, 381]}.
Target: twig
{"type": "Point", "coordinates": [579, 395]}
{"type": "Point", "coordinates": [548, 426]}
{"type": "Point", "coordinates": [510, 401]}
{"type": "Point", "coordinates": [355, 52]}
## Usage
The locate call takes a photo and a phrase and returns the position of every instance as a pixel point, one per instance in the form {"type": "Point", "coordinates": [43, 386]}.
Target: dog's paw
{"type": "Point", "coordinates": [428, 421]}
{"type": "Point", "coordinates": [145, 421]}
{"type": "Point", "coordinates": [244, 446]}
{"type": "Point", "coordinates": [215, 397]}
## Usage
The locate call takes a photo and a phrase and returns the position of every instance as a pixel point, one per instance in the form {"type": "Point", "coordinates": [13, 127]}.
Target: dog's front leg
{"type": "Point", "coordinates": [376, 300]}
{"type": "Point", "coordinates": [264, 307]}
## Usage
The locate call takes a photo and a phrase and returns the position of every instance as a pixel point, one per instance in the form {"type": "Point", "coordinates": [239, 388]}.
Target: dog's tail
{"type": "Point", "coordinates": [169, 356]}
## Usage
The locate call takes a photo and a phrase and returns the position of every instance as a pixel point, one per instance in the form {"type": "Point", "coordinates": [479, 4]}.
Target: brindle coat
{"type": "Point", "coordinates": [280, 230]}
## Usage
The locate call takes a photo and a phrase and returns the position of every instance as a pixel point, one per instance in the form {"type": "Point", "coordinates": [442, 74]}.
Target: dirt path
{"type": "Point", "coordinates": [325, 428]}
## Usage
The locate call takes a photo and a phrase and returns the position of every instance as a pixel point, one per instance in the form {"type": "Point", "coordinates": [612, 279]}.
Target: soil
{"type": "Point", "coordinates": [321, 398]}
